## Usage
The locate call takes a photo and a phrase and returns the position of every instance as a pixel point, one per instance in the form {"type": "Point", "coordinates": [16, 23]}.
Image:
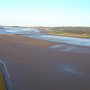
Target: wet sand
{"type": "Point", "coordinates": [34, 66]}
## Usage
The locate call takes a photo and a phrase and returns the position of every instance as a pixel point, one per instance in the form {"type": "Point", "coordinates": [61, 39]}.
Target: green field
{"type": "Point", "coordinates": [82, 32]}
{"type": "Point", "coordinates": [70, 34]}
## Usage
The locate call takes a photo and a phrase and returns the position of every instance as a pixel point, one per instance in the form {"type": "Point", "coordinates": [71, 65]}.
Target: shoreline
{"type": "Point", "coordinates": [66, 35]}
{"type": "Point", "coordinates": [32, 66]}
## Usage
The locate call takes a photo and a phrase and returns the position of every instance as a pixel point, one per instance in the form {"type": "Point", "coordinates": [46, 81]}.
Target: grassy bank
{"type": "Point", "coordinates": [81, 32]}
{"type": "Point", "coordinates": [69, 34]}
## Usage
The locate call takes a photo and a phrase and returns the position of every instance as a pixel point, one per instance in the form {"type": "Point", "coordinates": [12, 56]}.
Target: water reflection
{"type": "Point", "coordinates": [75, 71]}
{"type": "Point", "coordinates": [70, 48]}
{"type": "Point", "coordinates": [35, 33]}
{"type": "Point", "coordinates": [70, 69]}
{"type": "Point", "coordinates": [68, 40]}
{"type": "Point", "coordinates": [57, 46]}
{"type": "Point", "coordinates": [11, 30]}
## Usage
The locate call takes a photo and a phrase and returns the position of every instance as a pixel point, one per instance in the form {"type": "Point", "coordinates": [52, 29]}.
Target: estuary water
{"type": "Point", "coordinates": [36, 34]}
{"type": "Point", "coordinates": [63, 39]}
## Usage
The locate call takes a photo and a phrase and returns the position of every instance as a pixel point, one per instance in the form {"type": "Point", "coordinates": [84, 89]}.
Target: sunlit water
{"type": "Point", "coordinates": [34, 33]}
{"type": "Point", "coordinates": [70, 48]}
{"type": "Point", "coordinates": [68, 40]}
{"type": "Point", "coordinates": [73, 70]}
{"type": "Point", "coordinates": [11, 30]}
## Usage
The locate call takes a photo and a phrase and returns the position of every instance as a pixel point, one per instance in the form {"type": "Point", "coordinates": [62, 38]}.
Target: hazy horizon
{"type": "Point", "coordinates": [45, 13]}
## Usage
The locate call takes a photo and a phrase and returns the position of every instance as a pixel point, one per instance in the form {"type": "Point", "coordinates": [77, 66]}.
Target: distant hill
{"type": "Point", "coordinates": [81, 30]}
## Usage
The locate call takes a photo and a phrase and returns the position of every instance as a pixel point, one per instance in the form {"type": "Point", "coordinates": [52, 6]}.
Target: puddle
{"type": "Point", "coordinates": [71, 70]}
{"type": "Point", "coordinates": [70, 48]}
{"type": "Point", "coordinates": [56, 46]}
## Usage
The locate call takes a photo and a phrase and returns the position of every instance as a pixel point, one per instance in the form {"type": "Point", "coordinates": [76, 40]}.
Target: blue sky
{"type": "Point", "coordinates": [45, 12]}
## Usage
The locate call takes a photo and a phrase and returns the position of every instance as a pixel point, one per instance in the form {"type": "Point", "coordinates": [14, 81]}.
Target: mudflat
{"type": "Point", "coordinates": [32, 65]}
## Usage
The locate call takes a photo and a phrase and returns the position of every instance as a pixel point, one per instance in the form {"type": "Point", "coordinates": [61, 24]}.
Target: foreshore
{"type": "Point", "coordinates": [34, 66]}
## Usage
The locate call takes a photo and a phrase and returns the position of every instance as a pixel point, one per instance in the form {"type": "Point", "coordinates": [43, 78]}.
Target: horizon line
{"type": "Point", "coordinates": [41, 26]}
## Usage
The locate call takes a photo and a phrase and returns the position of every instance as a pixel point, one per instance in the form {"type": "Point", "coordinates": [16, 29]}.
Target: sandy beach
{"type": "Point", "coordinates": [32, 65]}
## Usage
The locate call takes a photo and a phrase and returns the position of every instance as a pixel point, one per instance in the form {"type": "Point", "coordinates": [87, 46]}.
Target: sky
{"type": "Point", "coordinates": [45, 12]}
